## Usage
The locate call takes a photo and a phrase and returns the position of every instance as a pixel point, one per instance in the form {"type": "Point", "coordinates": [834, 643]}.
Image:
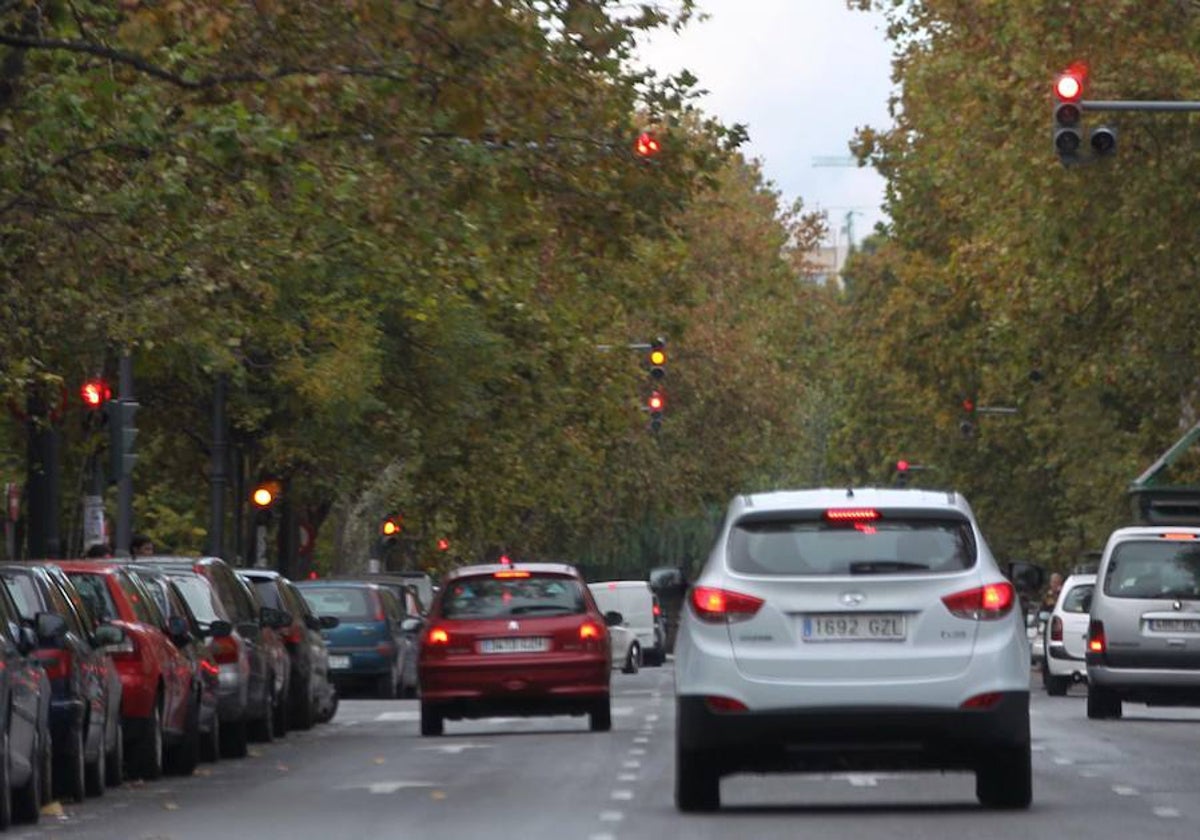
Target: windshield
{"type": "Point", "coordinates": [1154, 569]}
{"type": "Point", "coordinates": [492, 597]}
{"type": "Point", "coordinates": [795, 546]}
{"type": "Point", "coordinates": [200, 598]}
{"type": "Point", "coordinates": [350, 603]}
{"type": "Point", "coordinates": [94, 590]}
{"type": "Point", "coordinates": [23, 592]}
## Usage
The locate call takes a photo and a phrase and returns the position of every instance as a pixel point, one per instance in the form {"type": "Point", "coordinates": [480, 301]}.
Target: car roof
{"type": "Point", "coordinates": [174, 559]}
{"type": "Point", "coordinates": [100, 566]}
{"type": "Point", "coordinates": [266, 574]}
{"type": "Point", "coordinates": [343, 582]}
{"type": "Point", "coordinates": [492, 568]}
{"type": "Point", "coordinates": [831, 497]}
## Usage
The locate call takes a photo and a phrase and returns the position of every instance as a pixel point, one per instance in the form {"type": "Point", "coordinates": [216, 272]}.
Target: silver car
{"type": "Point", "coordinates": [1144, 633]}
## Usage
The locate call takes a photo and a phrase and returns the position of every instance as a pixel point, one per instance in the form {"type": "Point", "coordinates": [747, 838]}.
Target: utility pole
{"type": "Point", "coordinates": [124, 530]}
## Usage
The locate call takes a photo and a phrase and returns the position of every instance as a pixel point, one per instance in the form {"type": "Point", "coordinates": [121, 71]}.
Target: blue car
{"type": "Point", "coordinates": [369, 644]}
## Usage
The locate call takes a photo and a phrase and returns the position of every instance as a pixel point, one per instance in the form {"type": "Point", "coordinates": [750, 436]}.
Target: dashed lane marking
{"type": "Point", "coordinates": [1167, 813]}
{"type": "Point", "coordinates": [1124, 790]}
{"type": "Point", "coordinates": [622, 795]}
{"type": "Point", "coordinates": [611, 816]}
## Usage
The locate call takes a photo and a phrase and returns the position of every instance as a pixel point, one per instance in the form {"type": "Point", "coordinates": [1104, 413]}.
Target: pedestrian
{"type": "Point", "coordinates": [98, 551]}
{"type": "Point", "coordinates": [1051, 597]}
{"type": "Point", "coordinates": [141, 546]}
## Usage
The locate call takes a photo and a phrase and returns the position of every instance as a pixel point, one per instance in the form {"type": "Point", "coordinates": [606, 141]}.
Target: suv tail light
{"type": "Point", "coordinates": [1056, 629]}
{"type": "Point", "coordinates": [1097, 643]}
{"type": "Point", "coordinates": [718, 606]}
{"type": "Point", "coordinates": [293, 634]}
{"type": "Point", "coordinates": [989, 602]}
{"type": "Point", "coordinates": [225, 649]}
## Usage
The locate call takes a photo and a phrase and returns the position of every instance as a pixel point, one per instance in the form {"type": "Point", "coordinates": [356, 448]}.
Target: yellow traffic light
{"type": "Point", "coordinates": [390, 527]}
{"type": "Point", "coordinates": [265, 494]}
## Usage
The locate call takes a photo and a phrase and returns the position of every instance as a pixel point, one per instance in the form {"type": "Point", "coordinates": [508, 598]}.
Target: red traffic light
{"type": "Point", "coordinates": [1069, 86]}
{"type": "Point", "coordinates": [656, 401]}
{"type": "Point", "coordinates": [647, 145]}
{"type": "Point", "coordinates": [968, 405]}
{"type": "Point", "coordinates": [95, 393]}
{"type": "Point", "coordinates": [902, 466]}
{"type": "Point", "coordinates": [443, 544]}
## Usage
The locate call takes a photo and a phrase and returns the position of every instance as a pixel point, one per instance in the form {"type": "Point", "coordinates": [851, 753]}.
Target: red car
{"type": "Point", "coordinates": [156, 678]}
{"type": "Point", "coordinates": [522, 639]}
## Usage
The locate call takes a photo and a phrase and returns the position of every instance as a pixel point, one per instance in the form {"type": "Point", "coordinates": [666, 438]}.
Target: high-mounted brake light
{"type": "Point", "coordinates": [851, 514]}
{"type": "Point", "coordinates": [1177, 536]}
{"type": "Point", "coordinates": [718, 606]}
{"type": "Point", "coordinates": [983, 603]}
{"type": "Point", "coordinates": [511, 574]}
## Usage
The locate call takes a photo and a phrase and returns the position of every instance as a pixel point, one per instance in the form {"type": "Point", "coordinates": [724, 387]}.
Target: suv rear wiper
{"type": "Point", "coordinates": [882, 567]}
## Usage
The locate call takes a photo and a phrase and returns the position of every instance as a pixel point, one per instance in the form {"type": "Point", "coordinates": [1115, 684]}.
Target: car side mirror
{"type": "Point", "coordinates": [107, 635]}
{"type": "Point", "coordinates": [273, 618]}
{"type": "Point", "coordinates": [219, 629]}
{"type": "Point", "coordinates": [27, 641]}
{"type": "Point", "coordinates": [51, 629]}
{"type": "Point", "coordinates": [312, 622]}
{"type": "Point", "coordinates": [613, 618]}
{"type": "Point", "coordinates": [328, 622]}
{"type": "Point", "coordinates": [411, 625]}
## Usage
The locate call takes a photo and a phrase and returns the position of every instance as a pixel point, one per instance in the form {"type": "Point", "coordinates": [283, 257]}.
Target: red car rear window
{"type": "Point", "coordinates": [487, 596]}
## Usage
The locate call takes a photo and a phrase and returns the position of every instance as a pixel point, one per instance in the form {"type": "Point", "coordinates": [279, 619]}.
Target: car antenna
{"type": "Point", "coordinates": [849, 492]}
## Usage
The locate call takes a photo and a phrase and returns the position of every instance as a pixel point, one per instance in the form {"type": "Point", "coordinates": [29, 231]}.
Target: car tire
{"type": "Point", "coordinates": [6, 801]}
{"type": "Point", "coordinates": [633, 659]}
{"type": "Point", "coordinates": [697, 781]}
{"type": "Point", "coordinates": [1007, 782]}
{"type": "Point", "coordinates": [27, 802]}
{"type": "Point", "coordinates": [234, 739]}
{"type": "Point", "coordinates": [326, 715]}
{"type": "Point", "coordinates": [1055, 686]}
{"type": "Point", "coordinates": [114, 759]}
{"type": "Point", "coordinates": [94, 773]}
{"type": "Point", "coordinates": [303, 711]}
{"type": "Point", "coordinates": [210, 746]}
{"type": "Point", "coordinates": [600, 716]}
{"type": "Point", "coordinates": [146, 755]}
{"type": "Point", "coordinates": [183, 756]}
{"type": "Point", "coordinates": [282, 716]}
{"type": "Point", "coordinates": [432, 722]}
{"type": "Point", "coordinates": [1103, 703]}
{"type": "Point", "coordinates": [70, 772]}
{"type": "Point", "coordinates": [385, 686]}
{"type": "Point", "coordinates": [263, 729]}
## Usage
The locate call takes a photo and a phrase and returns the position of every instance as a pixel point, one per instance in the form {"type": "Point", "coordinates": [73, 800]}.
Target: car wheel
{"type": "Point", "coordinates": [1056, 686]}
{"type": "Point", "coordinates": [432, 722]}
{"type": "Point", "coordinates": [282, 715]}
{"type": "Point", "coordinates": [114, 759]}
{"type": "Point", "coordinates": [184, 755]}
{"type": "Point", "coordinates": [600, 717]}
{"type": "Point", "coordinates": [633, 660]}
{"type": "Point", "coordinates": [234, 739]}
{"type": "Point", "coordinates": [263, 729]}
{"type": "Point", "coordinates": [385, 687]}
{"type": "Point", "coordinates": [94, 772]}
{"type": "Point", "coordinates": [146, 757]}
{"type": "Point", "coordinates": [1103, 703]}
{"type": "Point", "coordinates": [1008, 781]}
{"type": "Point", "coordinates": [70, 775]}
{"type": "Point", "coordinates": [210, 747]}
{"type": "Point", "coordinates": [27, 803]}
{"type": "Point", "coordinates": [327, 713]}
{"type": "Point", "coordinates": [303, 711]}
{"type": "Point", "coordinates": [697, 781]}
{"type": "Point", "coordinates": [6, 803]}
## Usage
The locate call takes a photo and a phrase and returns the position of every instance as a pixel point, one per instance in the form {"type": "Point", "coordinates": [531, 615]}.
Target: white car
{"type": "Point", "coordinates": [634, 600]}
{"type": "Point", "coordinates": [626, 652]}
{"type": "Point", "coordinates": [852, 629]}
{"type": "Point", "coordinates": [1065, 661]}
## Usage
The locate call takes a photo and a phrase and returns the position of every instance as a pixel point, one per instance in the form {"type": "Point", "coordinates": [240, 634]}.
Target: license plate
{"type": "Point", "coordinates": [519, 644]}
{"type": "Point", "coordinates": [1174, 625]}
{"type": "Point", "coordinates": [861, 627]}
{"type": "Point", "coordinates": [339, 662]}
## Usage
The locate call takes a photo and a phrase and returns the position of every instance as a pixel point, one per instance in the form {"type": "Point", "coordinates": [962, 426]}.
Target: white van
{"type": "Point", "coordinates": [635, 602]}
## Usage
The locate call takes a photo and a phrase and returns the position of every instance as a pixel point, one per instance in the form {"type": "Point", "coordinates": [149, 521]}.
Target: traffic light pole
{"type": "Point", "coordinates": [1137, 105]}
{"type": "Point", "coordinates": [124, 529]}
{"type": "Point", "coordinates": [217, 478]}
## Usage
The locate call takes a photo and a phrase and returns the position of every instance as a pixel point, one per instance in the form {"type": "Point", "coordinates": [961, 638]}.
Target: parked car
{"type": "Point", "coordinates": [311, 688]}
{"type": "Point", "coordinates": [635, 602]}
{"type": "Point", "coordinates": [85, 705]}
{"type": "Point", "coordinates": [25, 697]}
{"type": "Point", "coordinates": [1145, 620]}
{"type": "Point", "coordinates": [368, 644]}
{"type": "Point", "coordinates": [852, 629]}
{"type": "Point", "coordinates": [156, 678]}
{"type": "Point", "coordinates": [196, 643]}
{"type": "Point", "coordinates": [1065, 660]}
{"type": "Point", "coordinates": [273, 621]}
{"type": "Point", "coordinates": [407, 587]}
{"type": "Point", "coordinates": [520, 639]}
{"type": "Point", "coordinates": [421, 583]}
{"type": "Point", "coordinates": [246, 705]}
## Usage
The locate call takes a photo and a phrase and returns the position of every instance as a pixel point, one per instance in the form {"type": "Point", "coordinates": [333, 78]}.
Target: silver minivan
{"type": "Point", "coordinates": [1144, 629]}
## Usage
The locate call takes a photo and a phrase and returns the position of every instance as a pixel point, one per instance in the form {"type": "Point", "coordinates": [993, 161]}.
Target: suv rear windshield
{"type": "Point", "coordinates": [488, 596]}
{"type": "Point", "coordinates": [349, 603]}
{"type": "Point", "coordinates": [1154, 569]}
{"type": "Point", "coordinates": [805, 546]}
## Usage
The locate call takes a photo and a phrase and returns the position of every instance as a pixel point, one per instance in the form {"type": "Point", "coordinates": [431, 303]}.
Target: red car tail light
{"type": "Point", "coordinates": [987, 700]}
{"type": "Point", "coordinates": [437, 636]}
{"type": "Point", "coordinates": [720, 704]}
{"type": "Point", "coordinates": [205, 665]}
{"type": "Point", "coordinates": [293, 635]}
{"type": "Point", "coordinates": [225, 649]}
{"type": "Point", "coordinates": [983, 603]}
{"type": "Point", "coordinates": [718, 606]}
{"type": "Point", "coordinates": [1056, 629]}
{"type": "Point", "coordinates": [1097, 642]}
{"type": "Point", "coordinates": [57, 663]}
{"type": "Point", "coordinates": [589, 631]}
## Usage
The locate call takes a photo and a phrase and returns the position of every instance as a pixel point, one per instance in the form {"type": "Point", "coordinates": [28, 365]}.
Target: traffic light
{"type": "Point", "coordinates": [657, 358]}
{"type": "Point", "coordinates": [966, 425]}
{"type": "Point", "coordinates": [443, 544]}
{"type": "Point", "coordinates": [122, 432]}
{"type": "Point", "coordinates": [390, 528]}
{"type": "Point", "coordinates": [1103, 140]}
{"type": "Point", "coordinates": [1068, 115]}
{"type": "Point", "coordinates": [902, 473]}
{"type": "Point", "coordinates": [266, 493]}
{"type": "Point", "coordinates": [95, 393]}
{"type": "Point", "coordinates": [646, 146]}
{"type": "Point", "coordinates": [655, 404]}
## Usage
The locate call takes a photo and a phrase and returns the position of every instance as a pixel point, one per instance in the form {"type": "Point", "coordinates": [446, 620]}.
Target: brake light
{"type": "Point", "coordinates": [983, 701]}
{"type": "Point", "coordinates": [225, 649]}
{"type": "Point", "coordinates": [588, 630]}
{"type": "Point", "coordinates": [724, 704]}
{"type": "Point", "coordinates": [657, 610]}
{"type": "Point", "coordinates": [718, 606]}
{"type": "Point", "coordinates": [1097, 643]}
{"type": "Point", "coordinates": [437, 636]}
{"type": "Point", "coordinates": [57, 663]}
{"type": "Point", "coordinates": [205, 665]}
{"type": "Point", "coordinates": [1179, 536]}
{"type": "Point", "coordinates": [511, 574]}
{"type": "Point", "coordinates": [983, 603]}
{"type": "Point", "coordinates": [1056, 629]}
{"type": "Point", "coordinates": [851, 514]}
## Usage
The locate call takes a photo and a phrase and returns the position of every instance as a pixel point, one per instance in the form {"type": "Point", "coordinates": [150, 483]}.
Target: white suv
{"type": "Point", "coordinates": [841, 629]}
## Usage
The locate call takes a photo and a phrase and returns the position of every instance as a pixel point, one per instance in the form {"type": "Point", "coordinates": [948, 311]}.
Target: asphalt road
{"type": "Point", "coordinates": [368, 774]}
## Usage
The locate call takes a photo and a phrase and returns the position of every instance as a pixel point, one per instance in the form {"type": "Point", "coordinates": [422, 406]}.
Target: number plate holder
{"type": "Point", "coordinates": [854, 627]}
{"type": "Point", "coordinates": [339, 662]}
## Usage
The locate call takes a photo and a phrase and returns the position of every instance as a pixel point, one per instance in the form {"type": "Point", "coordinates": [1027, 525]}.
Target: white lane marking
{"type": "Point", "coordinates": [387, 787]}
{"type": "Point", "coordinates": [637, 751]}
{"type": "Point", "coordinates": [1124, 790]}
{"type": "Point", "coordinates": [631, 765]}
{"type": "Point", "coordinates": [397, 717]}
{"type": "Point", "coordinates": [456, 749]}
{"type": "Point", "coordinates": [862, 780]}
{"type": "Point", "coordinates": [627, 777]}
{"type": "Point", "coordinates": [603, 837]}
{"type": "Point", "coordinates": [611, 816]}
{"type": "Point", "coordinates": [651, 718]}
{"type": "Point", "coordinates": [641, 740]}
{"type": "Point", "coordinates": [1167, 813]}
{"type": "Point", "coordinates": [1089, 774]}
{"type": "Point", "coordinates": [1063, 760]}
{"type": "Point", "coordinates": [1037, 748]}
{"type": "Point", "coordinates": [622, 795]}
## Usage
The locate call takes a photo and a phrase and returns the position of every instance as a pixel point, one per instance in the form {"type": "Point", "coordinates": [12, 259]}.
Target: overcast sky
{"type": "Point", "coordinates": [802, 75]}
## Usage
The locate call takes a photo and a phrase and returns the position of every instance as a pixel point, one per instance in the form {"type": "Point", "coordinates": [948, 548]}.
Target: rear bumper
{"type": "Point", "coordinates": [1153, 686]}
{"type": "Point", "coordinates": [867, 738]}
{"type": "Point", "coordinates": [477, 689]}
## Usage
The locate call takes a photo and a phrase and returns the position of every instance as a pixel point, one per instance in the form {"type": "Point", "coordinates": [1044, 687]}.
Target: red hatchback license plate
{"type": "Point", "coordinates": [518, 644]}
